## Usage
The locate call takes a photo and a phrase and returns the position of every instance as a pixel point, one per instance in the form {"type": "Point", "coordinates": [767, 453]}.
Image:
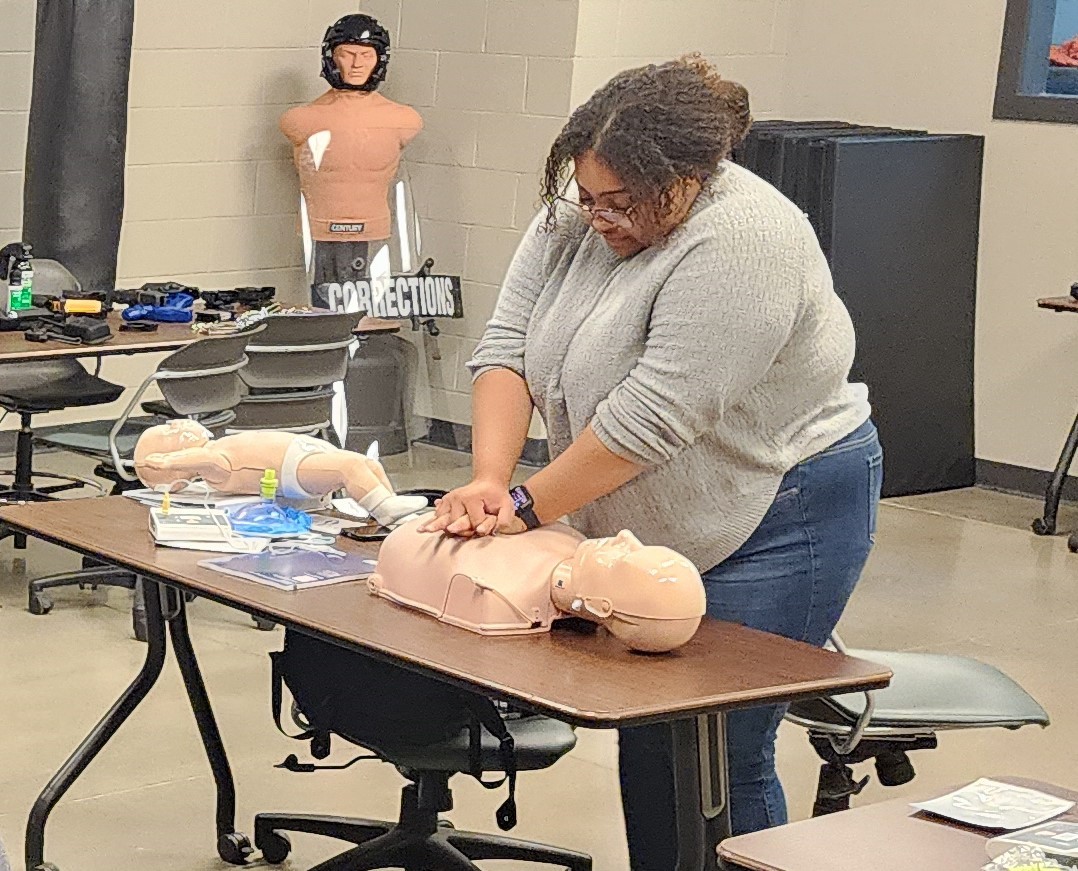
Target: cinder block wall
{"type": "Point", "coordinates": [492, 80]}
{"type": "Point", "coordinates": [211, 192]}
{"type": "Point", "coordinates": [212, 195]}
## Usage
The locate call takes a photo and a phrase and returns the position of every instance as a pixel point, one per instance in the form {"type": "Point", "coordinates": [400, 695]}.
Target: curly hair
{"type": "Point", "coordinates": [656, 127]}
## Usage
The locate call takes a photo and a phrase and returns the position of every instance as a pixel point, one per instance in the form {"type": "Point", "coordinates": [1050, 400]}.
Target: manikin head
{"type": "Point", "coordinates": [650, 598]}
{"type": "Point", "coordinates": [166, 438]}
{"type": "Point", "coordinates": [355, 54]}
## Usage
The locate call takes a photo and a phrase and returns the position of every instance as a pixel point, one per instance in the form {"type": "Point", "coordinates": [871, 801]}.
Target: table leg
{"type": "Point", "coordinates": [232, 847]}
{"type": "Point", "coordinates": [702, 790]}
{"type": "Point", "coordinates": [101, 733]}
{"type": "Point", "coordinates": [1046, 525]}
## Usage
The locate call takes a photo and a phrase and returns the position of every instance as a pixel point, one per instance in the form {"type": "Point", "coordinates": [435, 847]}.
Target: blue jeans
{"type": "Point", "coordinates": [792, 577]}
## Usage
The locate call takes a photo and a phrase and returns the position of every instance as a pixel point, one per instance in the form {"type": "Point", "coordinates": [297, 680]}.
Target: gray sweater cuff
{"type": "Point", "coordinates": [625, 443]}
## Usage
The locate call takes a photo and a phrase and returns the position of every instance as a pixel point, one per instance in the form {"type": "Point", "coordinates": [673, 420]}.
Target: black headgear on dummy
{"type": "Point", "coordinates": [355, 30]}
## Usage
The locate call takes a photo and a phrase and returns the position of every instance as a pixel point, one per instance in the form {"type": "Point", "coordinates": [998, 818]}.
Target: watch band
{"type": "Point", "coordinates": [524, 503]}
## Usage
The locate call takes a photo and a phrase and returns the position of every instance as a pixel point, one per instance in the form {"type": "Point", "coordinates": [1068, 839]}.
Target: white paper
{"type": "Point", "coordinates": [989, 804]}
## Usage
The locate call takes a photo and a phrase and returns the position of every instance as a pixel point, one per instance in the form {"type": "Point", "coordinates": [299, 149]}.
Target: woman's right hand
{"type": "Point", "coordinates": [476, 509]}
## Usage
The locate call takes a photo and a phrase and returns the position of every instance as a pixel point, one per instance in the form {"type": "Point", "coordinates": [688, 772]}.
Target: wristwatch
{"type": "Point", "coordinates": [525, 506]}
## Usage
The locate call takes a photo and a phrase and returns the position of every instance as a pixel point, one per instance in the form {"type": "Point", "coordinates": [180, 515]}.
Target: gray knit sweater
{"type": "Point", "coordinates": [718, 360]}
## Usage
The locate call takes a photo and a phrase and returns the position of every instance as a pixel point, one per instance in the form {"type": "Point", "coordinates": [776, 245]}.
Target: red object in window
{"type": "Point", "coordinates": [1065, 55]}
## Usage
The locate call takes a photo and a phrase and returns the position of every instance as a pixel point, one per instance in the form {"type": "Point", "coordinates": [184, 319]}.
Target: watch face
{"type": "Point", "coordinates": [520, 498]}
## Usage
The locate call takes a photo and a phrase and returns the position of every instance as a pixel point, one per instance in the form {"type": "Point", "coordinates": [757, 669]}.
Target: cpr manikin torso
{"type": "Point", "coordinates": [651, 598]}
{"type": "Point", "coordinates": [183, 451]}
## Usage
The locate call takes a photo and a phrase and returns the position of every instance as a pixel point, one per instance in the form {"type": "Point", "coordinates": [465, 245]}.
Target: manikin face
{"type": "Point", "coordinates": [605, 553]}
{"type": "Point", "coordinates": [355, 62]}
{"type": "Point", "coordinates": [167, 438]}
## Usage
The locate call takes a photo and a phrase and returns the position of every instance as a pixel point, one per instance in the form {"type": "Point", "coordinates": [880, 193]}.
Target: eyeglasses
{"type": "Point", "coordinates": [617, 217]}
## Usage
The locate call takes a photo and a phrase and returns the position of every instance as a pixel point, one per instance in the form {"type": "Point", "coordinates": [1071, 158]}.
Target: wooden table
{"type": "Point", "coordinates": [889, 836]}
{"type": "Point", "coordinates": [586, 680]}
{"type": "Point", "coordinates": [1046, 523]}
{"type": "Point", "coordinates": [167, 337]}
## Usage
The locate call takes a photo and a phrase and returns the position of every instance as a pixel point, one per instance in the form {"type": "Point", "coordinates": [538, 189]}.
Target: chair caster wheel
{"type": "Point", "coordinates": [48, 866]}
{"type": "Point", "coordinates": [40, 604]}
{"type": "Point", "coordinates": [234, 848]}
{"type": "Point", "coordinates": [1072, 542]}
{"type": "Point", "coordinates": [275, 847]}
{"type": "Point", "coordinates": [445, 824]}
{"type": "Point", "coordinates": [264, 625]}
{"type": "Point", "coordinates": [1042, 528]}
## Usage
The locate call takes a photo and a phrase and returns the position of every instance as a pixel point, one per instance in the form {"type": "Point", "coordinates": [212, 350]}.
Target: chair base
{"type": "Point", "coordinates": [836, 784]}
{"type": "Point", "coordinates": [418, 840]}
{"type": "Point", "coordinates": [92, 577]}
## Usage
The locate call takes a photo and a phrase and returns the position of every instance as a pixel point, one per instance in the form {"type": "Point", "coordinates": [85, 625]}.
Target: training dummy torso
{"type": "Point", "coordinates": [347, 149]}
{"type": "Point", "coordinates": [497, 585]}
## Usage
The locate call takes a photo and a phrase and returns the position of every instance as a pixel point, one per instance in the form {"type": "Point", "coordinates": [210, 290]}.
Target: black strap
{"type": "Point", "coordinates": [277, 698]}
{"type": "Point", "coordinates": [488, 716]}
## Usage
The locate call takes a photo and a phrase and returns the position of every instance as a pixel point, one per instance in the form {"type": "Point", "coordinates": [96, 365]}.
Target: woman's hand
{"type": "Point", "coordinates": [479, 508]}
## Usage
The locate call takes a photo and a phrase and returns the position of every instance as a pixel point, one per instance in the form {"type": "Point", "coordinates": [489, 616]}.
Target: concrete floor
{"type": "Point", "coordinates": [953, 573]}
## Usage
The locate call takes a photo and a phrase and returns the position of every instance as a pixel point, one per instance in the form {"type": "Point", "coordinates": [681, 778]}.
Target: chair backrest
{"type": "Point", "coordinates": [52, 278]}
{"type": "Point", "coordinates": [203, 377]}
{"type": "Point", "coordinates": [300, 350]}
{"type": "Point", "coordinates": [291, 371]}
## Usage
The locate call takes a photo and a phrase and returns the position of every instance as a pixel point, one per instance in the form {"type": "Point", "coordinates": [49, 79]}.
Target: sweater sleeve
{"type": "Point", "coordinates": [502, 345]}
{"type": "Point", "coordinates": [716, 327]}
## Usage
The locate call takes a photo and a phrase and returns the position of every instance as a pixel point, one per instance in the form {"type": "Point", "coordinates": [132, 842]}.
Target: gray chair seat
{"type": "Point", "coordinates": [539, 742]}
{"type": "Point", "coordinates": [92, 438]}
{"type": "Point", "coordinates": [932, 691]}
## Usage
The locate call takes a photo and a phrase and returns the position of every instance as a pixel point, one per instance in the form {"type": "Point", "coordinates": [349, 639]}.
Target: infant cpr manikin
{"type": "Point", "coordinates": [649, 597]}
{"type": "Point", "coordinates": [183, 450]}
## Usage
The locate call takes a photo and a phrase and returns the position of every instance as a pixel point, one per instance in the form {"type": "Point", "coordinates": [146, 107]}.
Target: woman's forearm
{"type": "Point", "coordinates": [501, 415]}
{"type": "Point", "coordinates": [586, 471]}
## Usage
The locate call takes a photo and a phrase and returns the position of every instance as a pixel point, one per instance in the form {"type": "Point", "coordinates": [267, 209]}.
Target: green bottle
{"type": "Point", "coordinates": [27, 270]}
{"type": "Point", "coordinates": [20, 294]}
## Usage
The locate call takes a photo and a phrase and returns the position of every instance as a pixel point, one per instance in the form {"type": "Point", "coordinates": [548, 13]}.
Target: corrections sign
{"type": "Point", "coordinates": [405, 296]}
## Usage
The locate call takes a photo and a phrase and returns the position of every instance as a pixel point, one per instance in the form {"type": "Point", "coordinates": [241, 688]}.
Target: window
{"type": "Point", "coordinates": [1038, 67]}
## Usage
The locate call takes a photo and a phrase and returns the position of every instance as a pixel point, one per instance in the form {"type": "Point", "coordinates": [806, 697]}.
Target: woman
{"type": "Point", "coordinates": [674, 322]}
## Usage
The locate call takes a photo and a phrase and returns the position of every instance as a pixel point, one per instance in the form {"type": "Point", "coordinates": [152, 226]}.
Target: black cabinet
{"type": "Point", "coordinates": [897, 213]}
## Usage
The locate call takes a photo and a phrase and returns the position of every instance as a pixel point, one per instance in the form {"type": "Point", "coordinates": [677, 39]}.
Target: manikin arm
{"type": "Point", "coordinates": [362, 478]}
{"type": "Point", "coordinates": [187, 465]}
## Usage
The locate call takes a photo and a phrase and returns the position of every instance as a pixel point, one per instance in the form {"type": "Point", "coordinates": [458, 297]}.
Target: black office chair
{"type": "Point", "coordinates": [928, 694]}
{"type": "Point", "coordinates": [38, 386]}
{"type": "Point", "coordinates": [429, 731]}
{"type": "Point", "coordinates": [419, 839]}
{"type": "Point", "coordinates": [199, 381]}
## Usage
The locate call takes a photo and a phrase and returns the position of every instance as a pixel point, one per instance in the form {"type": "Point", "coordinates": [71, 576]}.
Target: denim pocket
{"type": "Point", "coordinates": [875, 482]}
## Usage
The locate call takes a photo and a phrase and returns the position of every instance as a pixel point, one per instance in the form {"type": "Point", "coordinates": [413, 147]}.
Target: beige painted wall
{"type": "Point", "coordinates": [491, 79]}
{"type": "Point", "coordinates": [932, 63]}
{"type": "Point", "coordinates": [746, 38]}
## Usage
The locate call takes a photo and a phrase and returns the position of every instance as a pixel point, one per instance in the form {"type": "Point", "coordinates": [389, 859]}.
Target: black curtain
{"type": "Point", "coordinates": [73, 196]}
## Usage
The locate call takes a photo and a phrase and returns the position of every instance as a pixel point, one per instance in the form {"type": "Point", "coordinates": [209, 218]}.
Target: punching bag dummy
{"type": "Point", "coordinates": [73, 196]}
